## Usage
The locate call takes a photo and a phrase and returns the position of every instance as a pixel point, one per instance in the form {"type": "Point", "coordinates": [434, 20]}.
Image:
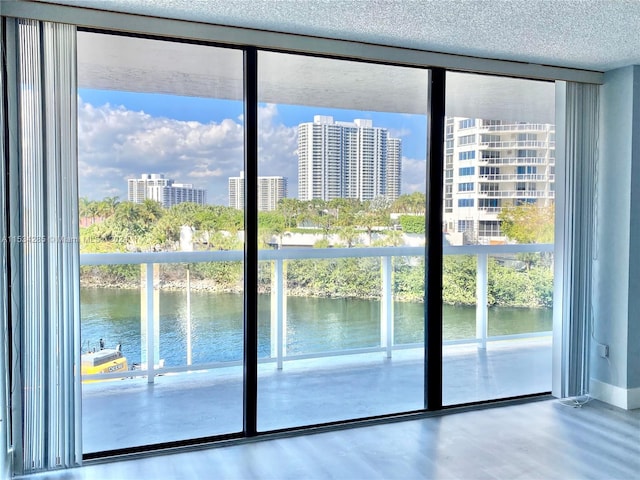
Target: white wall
{"type": "Point", "coordinates": [616, 278]}
{"type": "Point", "coordinates": [633, 336]}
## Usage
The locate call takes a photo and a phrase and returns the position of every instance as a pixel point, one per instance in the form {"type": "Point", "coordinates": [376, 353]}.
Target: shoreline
{"type": "Point", "coordinates": [209, 286]}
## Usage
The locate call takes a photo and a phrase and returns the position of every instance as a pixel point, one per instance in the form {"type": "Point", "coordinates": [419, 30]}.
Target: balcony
{"type": "Point", "coordinates": [518, 161]}
{"type": "Point", "coordinates": [515, 177]}
{"type": "Point", "coordinates": [518, 127]}
{"type": "Point", "coordinates": [513, 144]}
{"type": "Point", "coordinates": [489, 209]}
{"type": "Point", "coordinates": [518, 193]}
{"type": "Point", "coordinates": [299, 385]}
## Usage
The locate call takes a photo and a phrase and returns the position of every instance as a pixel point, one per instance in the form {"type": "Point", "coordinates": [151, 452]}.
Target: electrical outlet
{"type": "Point", "coordinates": [603, 350]}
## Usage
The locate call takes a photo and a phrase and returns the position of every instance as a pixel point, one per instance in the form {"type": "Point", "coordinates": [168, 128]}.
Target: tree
{"type": "Point", "coordinates": [344, 210]}
{"type": "Point", "coordinates": [415, 202]}
{"type": "Point", "coordinates": [271, 223]}
{"type": "Point", "coordinates": [369, 220]}
{"type": "Point", "coordinates": [108, 206]}
{"type": "Point", "coordinates": [374, 214]}
{"type": "Point", "coordinates": [348, 235]}
{"type": "Point", "coordinates": [84, 207]}
{"type": "Point", "coordinates": [150, 212]}
{"type": "Point", "coordinates": [291, 209]}
{"type": "Point", "coordinates": [527, 223]}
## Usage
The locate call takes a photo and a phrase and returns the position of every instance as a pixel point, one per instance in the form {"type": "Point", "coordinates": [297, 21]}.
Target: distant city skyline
{"type": "Point", "coordinates": [122, 135]}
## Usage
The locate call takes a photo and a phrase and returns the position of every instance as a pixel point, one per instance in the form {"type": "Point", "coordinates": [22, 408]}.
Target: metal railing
{"type": "Point", "coordinates": [517, 144]}
{"type": "Point", "coordinates": [279, 354]}
{"type": "Point", "coordinates": [517, 177]}
{"type": "Point", "coordinates": [518, 160]}
{"type": "Point", "coordinates": [519, 127]}
{"type": "Point", "coordinates": [518, 193]}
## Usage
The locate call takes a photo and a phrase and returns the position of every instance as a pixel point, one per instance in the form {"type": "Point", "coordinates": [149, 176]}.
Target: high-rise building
{"type": "Point", "coordinates": [271, 190]}
{"type": "Point", "coordinates": [490, 164]}
{"type": "Point", "coordinates": [236, 192]}
{"type": "Point", "coordinates": [156, 187]}
{"type": "Point", "coordinates": [137, 187]}
{"type": "Point", "coordinates": [347, 160]}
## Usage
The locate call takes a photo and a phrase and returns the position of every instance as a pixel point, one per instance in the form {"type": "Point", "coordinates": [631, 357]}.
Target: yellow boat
{"type": "Point", "coordinates": [105, 360]}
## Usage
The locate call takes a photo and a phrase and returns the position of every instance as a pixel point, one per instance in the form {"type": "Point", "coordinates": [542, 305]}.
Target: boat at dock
{"type": "Point", "coordinates": [104, 360]}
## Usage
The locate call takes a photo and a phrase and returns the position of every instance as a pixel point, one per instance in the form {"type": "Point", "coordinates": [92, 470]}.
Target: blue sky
{"type": "Point", "coordinates": [199, 140]}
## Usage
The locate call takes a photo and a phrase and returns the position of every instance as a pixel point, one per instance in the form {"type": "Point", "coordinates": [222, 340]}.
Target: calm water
{"type": "Point", "coordinates": [314, 324]}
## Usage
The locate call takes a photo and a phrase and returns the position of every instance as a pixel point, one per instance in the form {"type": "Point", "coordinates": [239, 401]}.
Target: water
{"type": "Point", "coordinates": [313, 324]}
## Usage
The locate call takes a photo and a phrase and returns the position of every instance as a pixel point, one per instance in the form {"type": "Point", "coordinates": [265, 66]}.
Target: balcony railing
{"type": "Point", "coordinates": [518, 144]}
{"type": "Point", "coordinates": [518, 193]}
{"type": "Point", "coordinates": [519, 127]}
{"type": "Point", "coordinates": [518, 161]}
{"type": "Point", "coordinates": [278, 318]}
{"type": "Point", "coordinates": [517, 177]}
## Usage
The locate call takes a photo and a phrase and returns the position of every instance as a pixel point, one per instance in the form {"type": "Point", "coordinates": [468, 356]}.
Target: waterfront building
{"type": "Point", "coordinates": [271, 189]}
{"type": "Point", "coordinates": [347, 160]}
{"type": "Point", "coordinates": [156, 187]}
{"type": "Point", "coordinates": [490, 164]}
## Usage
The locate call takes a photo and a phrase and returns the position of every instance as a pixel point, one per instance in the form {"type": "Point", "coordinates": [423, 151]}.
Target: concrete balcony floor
{"type": "Point", "coordinates": [179, 406]}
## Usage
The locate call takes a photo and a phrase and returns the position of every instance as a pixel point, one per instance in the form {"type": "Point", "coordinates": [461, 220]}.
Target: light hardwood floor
{"type": "Point", "coordinates": [537, 440]}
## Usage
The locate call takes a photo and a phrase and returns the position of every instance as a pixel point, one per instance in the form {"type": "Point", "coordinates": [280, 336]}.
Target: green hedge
{"type": "Point", "coordinates": [360, 278]}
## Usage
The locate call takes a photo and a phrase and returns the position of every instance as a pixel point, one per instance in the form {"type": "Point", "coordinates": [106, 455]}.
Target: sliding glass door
{"type": "Point", "coordinates": [499, 206]}
{"type": "Point", "coordinates": [160, 133]}
{"type": "Point", "coordinates": [341, 213]}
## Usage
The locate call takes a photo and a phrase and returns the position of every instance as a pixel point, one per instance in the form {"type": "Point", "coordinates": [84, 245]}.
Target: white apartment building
{"type": "Point", "coordinates": [347, 160]}
{"type": "Point", "coordinates": [137, 187]}
{"type": "Point", "coordinates": [156, 187]}
{"type": "Point", "coordinates": [236, 192]}
{"type": "Point", "coordinates": [490, 164]}
{"type": "Point", "coordinates": [271, 189]}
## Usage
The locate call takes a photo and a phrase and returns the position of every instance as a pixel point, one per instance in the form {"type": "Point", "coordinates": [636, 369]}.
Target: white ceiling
{"type": "Point", "coordinates": [589, 34]}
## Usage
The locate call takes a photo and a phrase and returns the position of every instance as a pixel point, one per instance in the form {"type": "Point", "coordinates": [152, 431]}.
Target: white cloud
{"type": "Point", "coordinates": [116, 143]}
{"type": "Point", "coordinates": [399, 132]}
{"type": "Point", "coordinates": [413, 175]}
{"type": "Point", "coordinates": [277, 146]}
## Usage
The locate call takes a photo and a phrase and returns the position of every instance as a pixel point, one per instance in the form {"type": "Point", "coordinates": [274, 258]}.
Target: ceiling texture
{"type": "Point", "coordinates": [596, 35]}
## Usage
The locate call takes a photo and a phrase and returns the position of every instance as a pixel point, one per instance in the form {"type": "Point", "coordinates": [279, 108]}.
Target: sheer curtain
{"type": "Point", "coordinates": [577, 151]}
{"type": "Point", "coordinates": [44, 250]}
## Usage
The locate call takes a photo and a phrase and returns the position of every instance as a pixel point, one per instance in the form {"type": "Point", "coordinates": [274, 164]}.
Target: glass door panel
{"type": "Point", "coordinates": [499, 185]}
{"type": "Point", "coordinates": [341, 197]}
{"type": "Point", "coordinates": [160, 131]}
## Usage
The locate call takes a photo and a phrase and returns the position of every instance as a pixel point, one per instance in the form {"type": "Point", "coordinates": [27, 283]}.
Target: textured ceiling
{"type": "Point", "coordinates": [590, 34]}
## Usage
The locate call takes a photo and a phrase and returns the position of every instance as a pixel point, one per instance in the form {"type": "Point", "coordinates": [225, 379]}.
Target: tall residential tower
{"type": "Point", "coordinates": [347, 160]}
{"type": "Point", "coordinates": [270, 191]}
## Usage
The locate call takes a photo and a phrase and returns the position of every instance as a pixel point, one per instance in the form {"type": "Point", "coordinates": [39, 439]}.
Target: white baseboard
{"type": "Point", "coordinates": [627, 398]}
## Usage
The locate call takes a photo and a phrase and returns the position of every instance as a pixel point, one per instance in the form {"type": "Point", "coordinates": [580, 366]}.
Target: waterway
{"type": "Point", "coordinates": [313, 324]}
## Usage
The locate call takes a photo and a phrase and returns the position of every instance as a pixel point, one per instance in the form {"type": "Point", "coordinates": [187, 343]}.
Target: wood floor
{"type": "Point", "coordinates": [537, 440]}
